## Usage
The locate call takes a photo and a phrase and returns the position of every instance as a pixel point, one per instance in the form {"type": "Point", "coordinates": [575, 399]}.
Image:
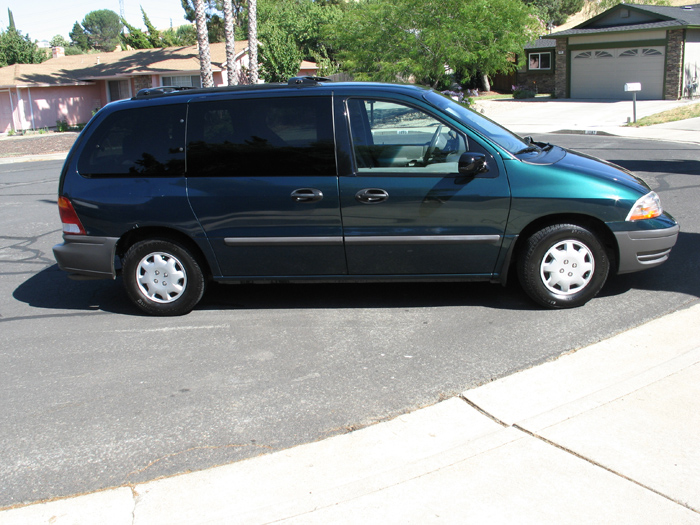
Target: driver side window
{"type": "Point", "coordinates": [389, 137]}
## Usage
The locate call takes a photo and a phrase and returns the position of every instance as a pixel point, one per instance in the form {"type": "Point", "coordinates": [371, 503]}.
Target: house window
{"type": "Point", "coordinates": [651, 52]}
{"type": "Point", "coordinates": [118, 89]}
{"type": "Point", "coordinates": [183, 81]}
{"type": "Point", "coordinates": [630, 53]}
{"type": "Point", "coordinates": [540, 60]}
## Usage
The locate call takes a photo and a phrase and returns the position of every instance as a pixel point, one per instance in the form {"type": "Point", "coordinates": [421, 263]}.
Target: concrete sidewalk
{"type": "Point", "coordinates": [608, 434]}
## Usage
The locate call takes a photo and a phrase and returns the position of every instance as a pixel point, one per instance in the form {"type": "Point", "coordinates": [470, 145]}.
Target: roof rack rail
{"type": "Point", "coordinates": [161, 90]}
{"type": "Point", "coordinates": [307, 81]}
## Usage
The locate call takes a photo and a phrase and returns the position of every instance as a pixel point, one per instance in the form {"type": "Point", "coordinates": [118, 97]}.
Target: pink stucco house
{"type": "Point", "coordinates": [71, 88]}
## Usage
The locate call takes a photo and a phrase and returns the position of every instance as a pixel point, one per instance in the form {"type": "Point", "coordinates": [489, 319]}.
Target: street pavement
{"type": "Point", "coordinates": [606, 434]}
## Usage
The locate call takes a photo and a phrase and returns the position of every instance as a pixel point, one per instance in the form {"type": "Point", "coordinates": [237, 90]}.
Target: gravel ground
{"type": "Point", "coordinates": [19, 146]}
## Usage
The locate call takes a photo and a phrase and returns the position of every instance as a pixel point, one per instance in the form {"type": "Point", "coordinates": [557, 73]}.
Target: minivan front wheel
{"type": "Point", "coordinates": [563, 266]}
{"type": "Point", "coordinates": [162, 277]}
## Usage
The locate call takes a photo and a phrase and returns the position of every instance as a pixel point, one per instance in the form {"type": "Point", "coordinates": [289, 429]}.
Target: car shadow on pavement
{"type": "Point", "coordinates": [662, 166]}
{"type": "Point", "coordinates": [53, 289]}
{"type": "Point", "coordinates": [365, 295]}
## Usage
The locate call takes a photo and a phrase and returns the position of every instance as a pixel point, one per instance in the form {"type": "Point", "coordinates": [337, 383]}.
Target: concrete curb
{"type": "Point", "coordinates": [33, 158]}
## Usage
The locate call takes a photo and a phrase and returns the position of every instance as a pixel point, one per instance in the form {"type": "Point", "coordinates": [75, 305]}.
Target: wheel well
{"type": "Point", "coordinates": [591, 223]}
{"type": "Point", "coordinates": [141, 234]}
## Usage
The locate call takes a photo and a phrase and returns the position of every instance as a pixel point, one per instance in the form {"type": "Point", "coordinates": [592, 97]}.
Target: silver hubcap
{"type": "Point", "coordinates": [567, 267]}
{"type": "Point", "coordinates": [161, 277]}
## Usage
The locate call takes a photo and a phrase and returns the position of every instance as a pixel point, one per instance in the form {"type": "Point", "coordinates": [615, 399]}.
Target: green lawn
{"type": "Point", "coordinates": [680, 113]}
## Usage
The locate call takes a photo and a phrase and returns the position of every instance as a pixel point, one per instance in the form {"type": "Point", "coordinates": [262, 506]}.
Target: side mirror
{"type": "Point", "coordinates": [471, 164]}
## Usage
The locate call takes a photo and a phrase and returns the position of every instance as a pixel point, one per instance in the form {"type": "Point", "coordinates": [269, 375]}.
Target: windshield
{"type": "Point", "coordinates": [487, 127]}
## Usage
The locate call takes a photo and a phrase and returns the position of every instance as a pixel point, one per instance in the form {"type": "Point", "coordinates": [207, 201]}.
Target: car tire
{"type": "Point", "coordinates": [563, 266]}
{"type": "Point", "coordinates": [162, 277]}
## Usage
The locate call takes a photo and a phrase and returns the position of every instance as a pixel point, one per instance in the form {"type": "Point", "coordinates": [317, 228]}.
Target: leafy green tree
{"type": "Point", "coordinates": [214, 21]}
{"type": "Point", "coordinates": [279, 55]}
{"type": "Point", "coordinates": [432, 41]}
{"type": "Point", "coordinates": [151, 32]}
{"type": "Point", "coordinates": [102, 28]}
{"type": "Point", "coordinates": [16, 48]}
{"type": "Point", "coordinates": [216, 24]}
{"type": "Point", "coordinates": [79, 38]}
{"type": "Point", "coordinates": [185, 35]}
{"type": "Point", "coordinates": [134, 37]}
{"type": "Point", "coordinates": [68, 48]}
{"type": "Point", "coordinates": [59, 41]}
{"type": "Point", "coordinates": [555, 11]}
{"type": "Point", "coordinates": [138, 39]}
{"type": "Point", "coordinates": [303, 21]}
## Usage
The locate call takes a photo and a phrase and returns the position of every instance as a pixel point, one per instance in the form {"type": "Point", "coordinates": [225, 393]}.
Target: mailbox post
{"type": "Point", "coordinates": [634, 87]}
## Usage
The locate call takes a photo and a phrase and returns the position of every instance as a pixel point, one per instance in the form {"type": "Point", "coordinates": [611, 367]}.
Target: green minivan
{"type": "Point", "coordinates": [320, 181]}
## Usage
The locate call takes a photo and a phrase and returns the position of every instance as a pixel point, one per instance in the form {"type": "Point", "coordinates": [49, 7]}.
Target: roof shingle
{"type": "Point", "coordinates": [75, 69]}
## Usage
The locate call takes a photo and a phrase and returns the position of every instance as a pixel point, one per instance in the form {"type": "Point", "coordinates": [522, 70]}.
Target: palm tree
{"type": "Point", "coordinates": [203, 42]}
{"type": "Point", "coordinates": [230, 43]}
{"type": "Point", "coordinates": [253, 40]}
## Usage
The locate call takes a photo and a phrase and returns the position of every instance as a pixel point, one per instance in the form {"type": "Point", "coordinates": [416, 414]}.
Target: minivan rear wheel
{"type": "Point", "coordinates": [162, 277]}
{"type": "Point", "coordinates": [563, 266]}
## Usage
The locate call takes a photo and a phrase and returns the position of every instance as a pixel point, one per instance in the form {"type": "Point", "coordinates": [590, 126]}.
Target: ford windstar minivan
{"type": "Point", "coordinates": [321, 181]}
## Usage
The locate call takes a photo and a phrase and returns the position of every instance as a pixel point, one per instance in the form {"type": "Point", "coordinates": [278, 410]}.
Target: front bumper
{"type": "Point", "coordinates": [90, 257]}
{"type": "Point", "coordinates": [642, 249]}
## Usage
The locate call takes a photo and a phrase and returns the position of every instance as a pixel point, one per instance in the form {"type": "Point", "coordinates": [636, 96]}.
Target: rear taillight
{"type": "Point", "coordinates": [70, 220]}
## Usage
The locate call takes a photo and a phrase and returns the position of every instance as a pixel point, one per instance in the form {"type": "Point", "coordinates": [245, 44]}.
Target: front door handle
{"type": "Point", "coordinates": [307, 195]}
{"type": "Point", "coordinates": [371, 195]}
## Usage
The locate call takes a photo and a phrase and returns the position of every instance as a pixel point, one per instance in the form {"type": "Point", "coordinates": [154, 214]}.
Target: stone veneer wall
{"type": "Point", "coordinates": [142, 82]}
{"type": "Point", "coordinates": [561, 74]}
{"type": "Point", "coordinates": [543, 81]}
{"type": "Point", "coordinates": [673, 90]}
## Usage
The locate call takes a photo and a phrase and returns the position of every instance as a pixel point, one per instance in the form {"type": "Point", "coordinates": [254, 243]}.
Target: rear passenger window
{"type": "Point", "coordinates": [261, 137]}
{"type": "Point", "coordinates": [137, 142]}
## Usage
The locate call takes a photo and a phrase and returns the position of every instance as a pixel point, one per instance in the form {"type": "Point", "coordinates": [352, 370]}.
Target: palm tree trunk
{"type": "Point", "coordinates": [253, 40]}
{"type": "Point", "coordinates": [203, 42]}
{"type": "Point", "coordinates": [231, 72]}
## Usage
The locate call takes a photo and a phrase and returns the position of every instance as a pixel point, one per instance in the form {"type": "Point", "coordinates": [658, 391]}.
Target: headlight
{"type": "Point", "coordinates": [646, 207]}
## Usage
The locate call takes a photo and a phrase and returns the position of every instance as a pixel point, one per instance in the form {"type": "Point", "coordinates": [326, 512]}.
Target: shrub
{"type": "Point", "coordinates": [524, 91]}
{"type": "Point", "coordinates": [62, 125]}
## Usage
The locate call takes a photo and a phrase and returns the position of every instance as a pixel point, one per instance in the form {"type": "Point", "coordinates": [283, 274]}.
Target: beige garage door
{"type": "Point", "coordinates": [603, 73]}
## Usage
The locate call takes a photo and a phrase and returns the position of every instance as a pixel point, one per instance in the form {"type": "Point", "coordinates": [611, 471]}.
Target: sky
{"type": "Point", "coordinates": [43, 19]}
